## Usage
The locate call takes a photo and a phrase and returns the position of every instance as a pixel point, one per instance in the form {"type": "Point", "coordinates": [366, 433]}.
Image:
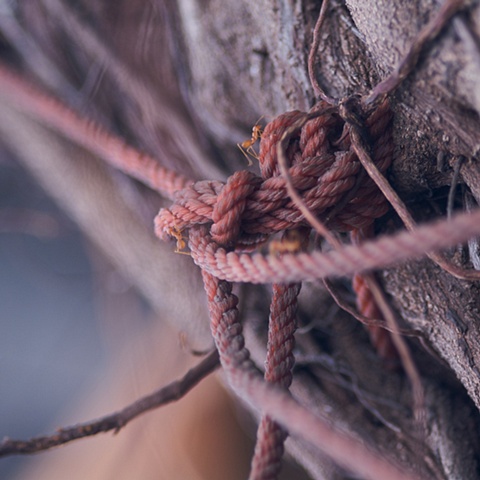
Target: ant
{"type": "Point", "coordinates": [292, 242]}
{"type": "Point", "coordinates": [246, 147]}
{"type": "Point", "coordinates": [181, 243]}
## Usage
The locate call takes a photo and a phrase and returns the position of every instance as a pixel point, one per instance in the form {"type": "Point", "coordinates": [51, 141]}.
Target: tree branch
{"type": "Point", "coordinates": [115, 421]}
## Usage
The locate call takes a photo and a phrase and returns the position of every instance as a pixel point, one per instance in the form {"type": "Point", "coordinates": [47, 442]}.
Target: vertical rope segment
{"type": "Point", "coordinates": [266, 463]}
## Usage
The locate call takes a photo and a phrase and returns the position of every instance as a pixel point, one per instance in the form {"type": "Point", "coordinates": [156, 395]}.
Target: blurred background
{"type": "Point", "coordinates": [77, 342]}
{"type": "Point", "coordinates": [50, 346]}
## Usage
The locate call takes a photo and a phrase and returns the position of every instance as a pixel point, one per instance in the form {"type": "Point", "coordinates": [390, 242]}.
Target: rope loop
{"type": "Point", "coordinates": [324, 170]}
{"type": "Point", "coordinates": [231, 203]}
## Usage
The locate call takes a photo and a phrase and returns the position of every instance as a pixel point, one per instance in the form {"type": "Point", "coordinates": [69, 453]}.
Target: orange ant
{"type": "Point", "coordinates": [181, 243]}
{"type": "Point", "coordinates": [246, 147]}
{"type": "Point", "coordinates": [292, 242]}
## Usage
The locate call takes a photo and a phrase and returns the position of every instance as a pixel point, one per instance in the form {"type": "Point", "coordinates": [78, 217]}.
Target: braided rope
{"type": "Point", "coordinates": [281, 340]}
{"type": "Point", "coordinates": [247, 382]}
{"type": "Point", "coordinates": [367, 306]}
{"type": "Point", "coordinates": [90, 135]}
{"type": "Point", "coordinates": [267, 458]}
{"type": "Point", "coordinates": [244, 211]}
{"type": "Point", "coordinates": [324, 169]}
{"type": "Point", "coordinates": [382, 252]}
{"type": "Point", "coordinates": [269, 448]}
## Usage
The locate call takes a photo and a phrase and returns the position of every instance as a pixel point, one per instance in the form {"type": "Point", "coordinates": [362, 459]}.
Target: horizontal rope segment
{"type": "Point", "coordinates": [380, 253]}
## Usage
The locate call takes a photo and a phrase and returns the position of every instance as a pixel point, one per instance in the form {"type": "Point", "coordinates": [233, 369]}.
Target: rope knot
{"type": "Point", "coordinates": [231, 203]}
{"type": "Point", "coordinates": [324, 170]}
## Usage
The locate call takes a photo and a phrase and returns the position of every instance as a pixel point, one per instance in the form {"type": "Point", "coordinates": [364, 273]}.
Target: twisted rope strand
{"type": "Point", "coordinates": [247, 382]}
{"type": "Point", "coordinates": [269, 448]}
{"type": "Point", "coordinates": [384, 252]}
{"type": "Point", "coordinates": [266, 463]}
{"type": "Point", "coordinates": [323, 160]}
{"type": "Point", "coordinates": [37, 104]}
{"type": "Point", "coordinates": [323, 168]}
{"type": "Point", "coordinates": [367, 306]}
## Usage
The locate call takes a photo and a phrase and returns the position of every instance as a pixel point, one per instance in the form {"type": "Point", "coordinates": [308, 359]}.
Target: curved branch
{"type": "Point", "coordinates": [115, 421]}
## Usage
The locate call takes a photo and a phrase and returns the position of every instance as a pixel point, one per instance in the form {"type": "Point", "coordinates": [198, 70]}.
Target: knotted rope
{"type": "Point", "coordinates": [247, 209]}
{"type": "Point", "coordinates": [324, 169]}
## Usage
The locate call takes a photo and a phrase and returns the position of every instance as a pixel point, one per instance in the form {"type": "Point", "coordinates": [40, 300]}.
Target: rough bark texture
{"type": "Point", "coordinates": [228, 63]}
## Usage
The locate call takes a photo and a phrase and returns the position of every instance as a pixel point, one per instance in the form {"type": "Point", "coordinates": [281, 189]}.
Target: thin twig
{"type": "Point", "coordinates": [453, 186]}
{"type": "Point", "coordinates": [403, 350]}
{"type": "Point", "coordinates": [410, 61]}
{"type": "Point", "coordinates": [312, 55]}
{"type": "Point", "coordinates": [399, 205]}
{"type": "Point", "coordinates": [368, 322]}
{"type": "Point", "coordinates": [116, 421]}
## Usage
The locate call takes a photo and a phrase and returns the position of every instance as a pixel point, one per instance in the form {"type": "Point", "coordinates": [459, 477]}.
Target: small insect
{"type": "Point", "coordinates": [247, 146]}
{"type": "Point", "coordinates": [292, 242]}
{"type": "Point", "coordinates": [181, 243]}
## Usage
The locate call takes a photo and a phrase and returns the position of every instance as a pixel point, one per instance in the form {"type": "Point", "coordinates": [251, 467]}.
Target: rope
{"type": "Point", "coordinates": [269, 448]}
{"type": "Point", "coordinates": [324, 168]}
{"type": "Point", "coordinates": [367, 306]}
{"type": "Point", "coordinates": [380, 253]}
{"type": "Point", "coordinates": [324, 156]}
{"type": "Point", "coordinates": [246, 381]}
{"type": "Point", "coordinates": [89, 134]}
{"type": "Point", "coordinates": [247, 209]}
{"type": "Point", "coordinates": [224, 219]}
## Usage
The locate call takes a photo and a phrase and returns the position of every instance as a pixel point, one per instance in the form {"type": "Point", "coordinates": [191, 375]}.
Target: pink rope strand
{"type": "Point", "coordinates": [35, 103]}
{"type": "Point", "coordinates": [324, 166]}
{"type": "Point", "coordinates": [324, 169]}
{"type": "Point", "coordinates": [246, 380]}
{"type": "Point", "coordinates": [269, 448]}
{"type": "Point", "coordinates": [368, 307]}
{"type": "Point", "coordinates": [383, 252]}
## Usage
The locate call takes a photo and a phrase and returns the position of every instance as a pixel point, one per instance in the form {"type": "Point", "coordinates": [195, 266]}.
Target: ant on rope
{"type": "Point", "coordinates": [291, 242]}
{"type": "Point", "coordinates": [181, 243]}
{"type": "Point", "coordinates": [246, 147]}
